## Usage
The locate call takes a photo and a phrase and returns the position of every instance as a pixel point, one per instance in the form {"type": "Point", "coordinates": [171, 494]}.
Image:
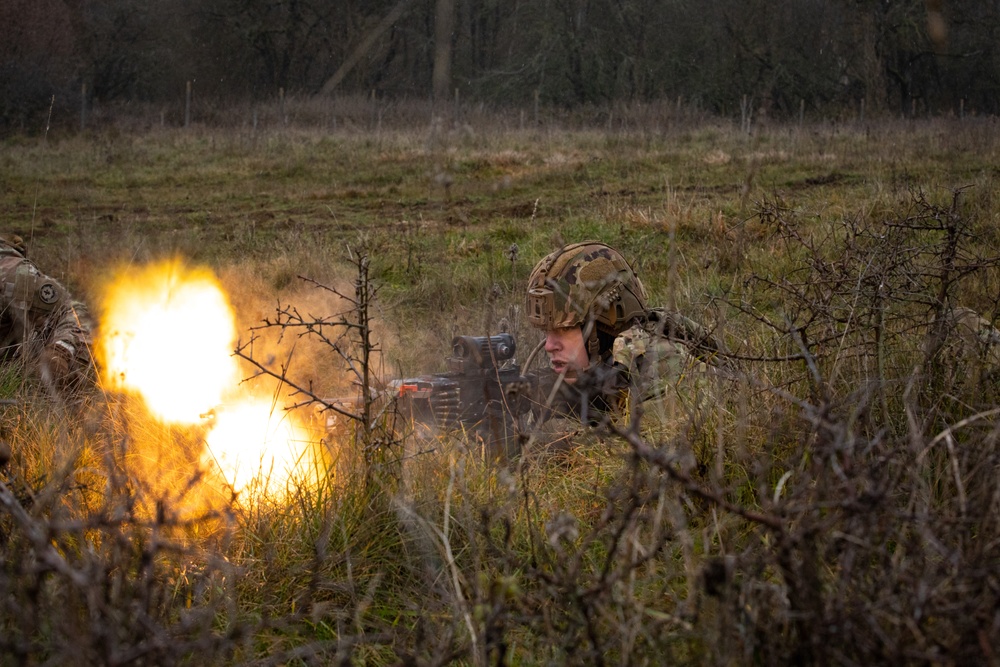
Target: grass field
{"type": "Point", "coordinates": [835, 499]}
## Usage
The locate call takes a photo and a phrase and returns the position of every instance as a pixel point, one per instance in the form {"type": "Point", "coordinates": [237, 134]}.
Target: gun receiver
{"type": "Point", "coordinates": [484, 390]}
{"type": "Point", "coordinates": [483, 393]}
{"type": "Point", "coordinates": [484, 382]}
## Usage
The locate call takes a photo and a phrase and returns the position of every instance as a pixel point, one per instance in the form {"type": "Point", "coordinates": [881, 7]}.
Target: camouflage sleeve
{"type": "Point", "coordinates": [43, 312]}
{"type": "Point", "coordinates": [71, 329]}
{"type": "Point", "coordinates": [653, 362]}
{"type": "Point", "coordinates": [660, 370]}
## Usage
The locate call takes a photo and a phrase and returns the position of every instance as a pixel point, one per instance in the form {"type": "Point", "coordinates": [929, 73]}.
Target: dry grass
{"type": "Point", "coordinates": [833, 502]}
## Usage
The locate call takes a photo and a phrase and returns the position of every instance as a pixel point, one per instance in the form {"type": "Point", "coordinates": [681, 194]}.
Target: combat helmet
{"type": "Point", "coordinates": [14, 243]}
{"type": "Point", "coordinates": [582, 283]}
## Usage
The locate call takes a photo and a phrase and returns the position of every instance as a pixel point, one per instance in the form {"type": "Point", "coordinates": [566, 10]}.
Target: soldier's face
{"type": "Point", "coordinates": [567, 351]}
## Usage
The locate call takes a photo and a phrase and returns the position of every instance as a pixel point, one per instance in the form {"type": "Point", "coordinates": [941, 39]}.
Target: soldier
{"type": "Point", "coordinates": [41, 326]}
{"type": "Point", "coordinates": [604, 341]}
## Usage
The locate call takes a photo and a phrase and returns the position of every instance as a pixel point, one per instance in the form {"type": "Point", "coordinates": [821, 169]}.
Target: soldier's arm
{"type": "Point", "coordinates": [61, 324]}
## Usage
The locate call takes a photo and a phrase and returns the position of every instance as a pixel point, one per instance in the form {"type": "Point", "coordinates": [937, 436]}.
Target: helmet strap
{"type": "Point", "coordinates": [593, 344]}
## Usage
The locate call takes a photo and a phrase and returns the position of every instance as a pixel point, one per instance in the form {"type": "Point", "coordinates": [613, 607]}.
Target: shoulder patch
{"type": "Point", "coordinates": [48, 293]}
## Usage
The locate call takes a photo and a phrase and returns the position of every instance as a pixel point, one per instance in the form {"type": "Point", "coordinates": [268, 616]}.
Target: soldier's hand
{"type": "Point", "coordinates": [56, 364]}
{"type": "Point", "coordinates": [602, 380]}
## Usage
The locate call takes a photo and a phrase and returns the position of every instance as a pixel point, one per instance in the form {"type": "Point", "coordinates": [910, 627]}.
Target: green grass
{"type": "Point", "coordinates": [438, 557]}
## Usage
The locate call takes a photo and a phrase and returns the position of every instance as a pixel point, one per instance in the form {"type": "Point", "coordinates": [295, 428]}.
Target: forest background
{"type": "Point", "coordinates": [776, 59]}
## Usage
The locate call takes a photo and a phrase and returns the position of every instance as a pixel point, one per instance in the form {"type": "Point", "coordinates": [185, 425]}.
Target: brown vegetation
{"type": "Point", "coordinates": [837, 504]}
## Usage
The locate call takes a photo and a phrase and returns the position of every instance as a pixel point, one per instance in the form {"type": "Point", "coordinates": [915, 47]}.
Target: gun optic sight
{"type": "Point", "coordinates": [483, 351]}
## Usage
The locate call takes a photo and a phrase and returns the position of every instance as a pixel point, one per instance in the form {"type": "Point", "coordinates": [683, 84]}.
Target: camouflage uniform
{"type": "Point", "coordinates": [40, 323]}
{"type": "Point", "coordinates": [666, 359]}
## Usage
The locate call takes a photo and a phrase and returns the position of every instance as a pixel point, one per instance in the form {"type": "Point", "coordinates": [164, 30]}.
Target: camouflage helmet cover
{"type": "Point", "coordinates": [15, 243]}
{"type": "Point", "coordinates": [583, 281]}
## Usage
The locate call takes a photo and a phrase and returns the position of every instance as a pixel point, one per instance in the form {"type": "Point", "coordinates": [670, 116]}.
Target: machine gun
{"type": "Point", "coordinates": [482, 394]}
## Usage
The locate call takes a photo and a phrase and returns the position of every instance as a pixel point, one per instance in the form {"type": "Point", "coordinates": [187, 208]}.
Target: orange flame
{"type": "Point", "coordinates": [168, 336]}
{"type": "Point", "coordinates": [255, 448]}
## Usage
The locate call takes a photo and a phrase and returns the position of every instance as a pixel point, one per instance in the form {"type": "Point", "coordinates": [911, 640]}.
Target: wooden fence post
{"type": "Point", "coordinates": [83, 106]}
{"type": "Point", "coordinates": [187, 105]}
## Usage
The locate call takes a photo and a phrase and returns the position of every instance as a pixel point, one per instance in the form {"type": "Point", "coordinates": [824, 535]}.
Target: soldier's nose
{"type": "Point", "coordinates": [551, 341]}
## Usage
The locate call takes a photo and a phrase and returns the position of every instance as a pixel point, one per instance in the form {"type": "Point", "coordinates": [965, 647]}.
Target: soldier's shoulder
{"type": "Point", "coordinates": [644, 340]}
{"type": "Point", "coordinates": [15, 269]}
{"type": "Point", "coordinates": [630, 343]}
{"type": "Point", "coordinates": [10, 258]}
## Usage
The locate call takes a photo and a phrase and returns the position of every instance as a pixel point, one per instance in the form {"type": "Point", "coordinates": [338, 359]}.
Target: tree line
{"type": "Point", "coordinates": [785, 57]}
